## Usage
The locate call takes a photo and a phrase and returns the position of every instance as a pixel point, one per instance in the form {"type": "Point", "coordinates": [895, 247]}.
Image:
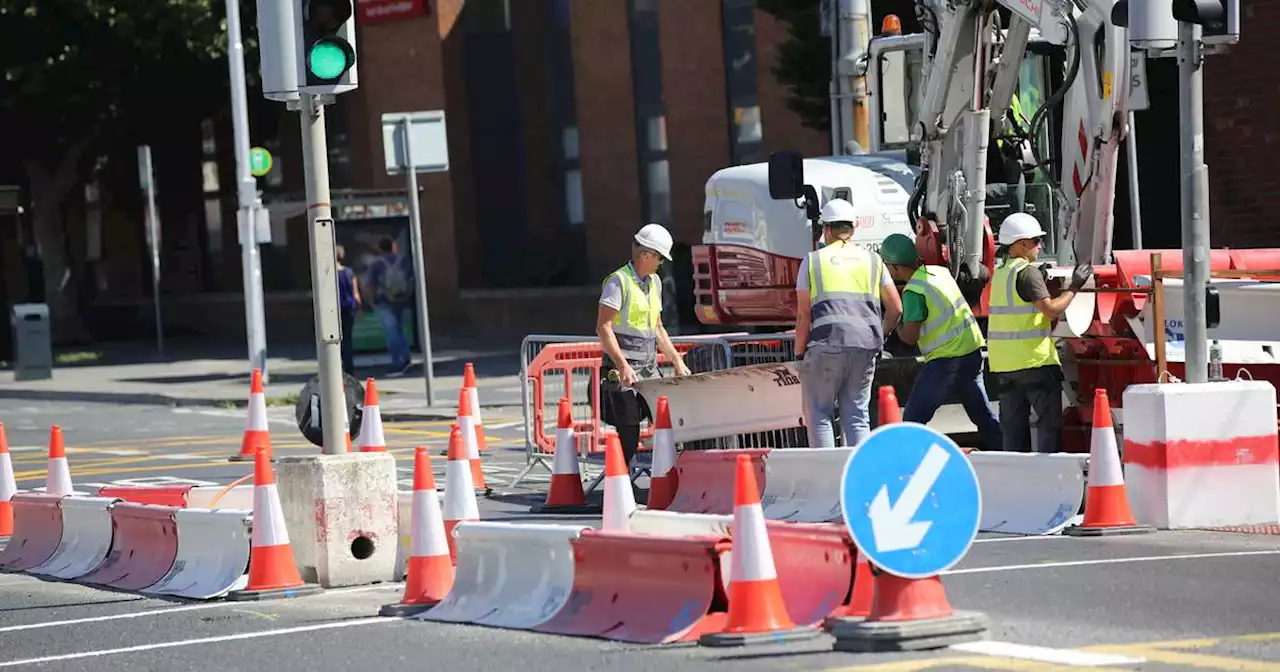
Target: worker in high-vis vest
{"type": "Point", "coordinates": [629, 324]}
{"type": "Point", "coordinates": [845, 304]}
{"type": "Point", "coordinates": [937, 319]}
{"type": "Point", "coordinates": [1020, 348]}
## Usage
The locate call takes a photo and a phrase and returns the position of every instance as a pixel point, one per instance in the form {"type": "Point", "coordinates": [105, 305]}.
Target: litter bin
{"type": "Point", "coordinates": [32, 342]}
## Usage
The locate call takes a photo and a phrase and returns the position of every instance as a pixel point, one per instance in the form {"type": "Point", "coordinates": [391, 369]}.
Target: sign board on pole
{"type": "Point", "coordinates": [427, 137]}
{"type": "Point", "coordinates": [259, 161]}
{"type": "Point", "coordinates": [1139, 98]}
{"type": "Point", "coordinates": [910, 500]}
{"type": "Point", "coordinates": [377, 11]}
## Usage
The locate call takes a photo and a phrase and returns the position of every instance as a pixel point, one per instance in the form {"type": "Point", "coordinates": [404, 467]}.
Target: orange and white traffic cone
{"type": "Point", "coordinates": [256, 435]}
{"type": "Point", "coordinates": [888, 409]}
{"type": "Point", "coordinates": [1106, 503]}
{"type": "Point", "coordinates": [459, 494]}
{"type": "Point", "coordinates": [466, 423]}
{"type": "Point", "coordinates": [565, 495]}
{"type": "Point", "coordinates": [662, 470]}
{"type": "Point", "coordinates": [8, 486]}
{"type": "Point", "coordinates": [757, 613]}
{"type": "Point", "coordinates": [473, 391]}
{"type": "Point", "coordinates": [372, 438]}
{"type": "Point", "coordinates": [272, 571]}
{"type": "Point", "coordinates": [430, 576]}
{"type": "Point", "coordinates": [58, 478]}
{"type": "Point", "coordinates": [619, 499]}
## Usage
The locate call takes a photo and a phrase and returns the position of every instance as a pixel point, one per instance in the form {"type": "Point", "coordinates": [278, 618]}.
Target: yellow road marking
{"type": "Point", "coordinates": [1165, 652]}
{"type": "Point", "coordinates": [96, 465]}
{"type": "Point", "coordinates": [952, 662]}
{"type": "Point", "coordinates": [177, 466]}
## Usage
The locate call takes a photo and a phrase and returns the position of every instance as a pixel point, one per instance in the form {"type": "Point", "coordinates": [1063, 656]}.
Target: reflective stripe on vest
{"type": "Point", "coordinates": [1018, 334]}
{"type": "Point", "coordinates": [844, 292]}
{"type": "Point", "coordinates": [949, 329]}
{"type": "Point", "coordinates": [636, 324]}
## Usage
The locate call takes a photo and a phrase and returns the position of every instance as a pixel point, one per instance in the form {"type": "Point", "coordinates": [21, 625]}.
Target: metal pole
{"type": "Point", "coordinates": [1135, 203]}
{"type": "Point", "coordinates": [1195, 215]}
{"type": "Point", "coordinates": [247, 195]}
{"type": "Point", "coordinates": [154, 224]}
{"type": "Point", "coordinates": [324, 276]}
{"type": "Point", "coordinates": [419, 262]}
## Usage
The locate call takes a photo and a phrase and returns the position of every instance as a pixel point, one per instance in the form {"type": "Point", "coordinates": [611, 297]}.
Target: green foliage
{"type": "Point", "coordinates": [804, 59]}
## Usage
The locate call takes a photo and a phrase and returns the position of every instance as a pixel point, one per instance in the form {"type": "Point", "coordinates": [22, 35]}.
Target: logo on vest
{"type": "Point", "coordinates": [783, 377]}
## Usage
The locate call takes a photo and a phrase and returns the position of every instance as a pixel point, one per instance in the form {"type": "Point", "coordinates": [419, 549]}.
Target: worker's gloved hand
{"type": "Point", "coordinates": [1080, 276]}
{"type": "Point", "coordinates": [1044, 270]}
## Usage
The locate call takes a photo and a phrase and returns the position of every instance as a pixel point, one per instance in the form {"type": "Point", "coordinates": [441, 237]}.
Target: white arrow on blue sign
{"type": "Point", "coordinates": [910, 500]}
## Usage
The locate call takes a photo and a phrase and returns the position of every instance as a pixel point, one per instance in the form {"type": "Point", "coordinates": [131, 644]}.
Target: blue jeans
{"type": "Point", "coordinates": [827, 375]}
{"type": "Point", "coordinates": [940, 380]}
{"type": "Point", "coordinates": [391, 316]}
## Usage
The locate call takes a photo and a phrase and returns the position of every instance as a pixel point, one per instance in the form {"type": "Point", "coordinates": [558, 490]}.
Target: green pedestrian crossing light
{"type": "Point", "coordinates": [328, 53]}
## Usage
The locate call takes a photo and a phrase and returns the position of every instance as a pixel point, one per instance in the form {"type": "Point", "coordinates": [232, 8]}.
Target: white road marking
{"type": "Point", "coordinates": [1031, 537]}
{"type": "Point", "coordinates": [204, 640]}
{"type": "Point", "coordinates": [505, 425]}
{"type": "Point", "coordinates": [1045, 655]}
{"type": "Point", "coordinates": [178, 457]}
{"type": "Point", "coordinates": [1109, 561]}
{"type": "Point", "coordinates": [238, 414]}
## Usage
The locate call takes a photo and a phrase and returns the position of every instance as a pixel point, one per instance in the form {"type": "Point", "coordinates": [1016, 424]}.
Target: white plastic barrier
{"type": "Point", "coordinates": [742, 400]}
{"type": "Point", "coordinates": [509, 575]}
{"type": "Point", "coordinates": [674, 524]}
{"type": "Point", "coordinates": [1029, 493]}
{"type": "Point", "coordinates": [86, 538]}
{"type": "Point", "coordinates": [238, 497]}
{"type": "Point", "coordinates": [213, 554]}
{"type": "Point", "coordinates": [802, 485]}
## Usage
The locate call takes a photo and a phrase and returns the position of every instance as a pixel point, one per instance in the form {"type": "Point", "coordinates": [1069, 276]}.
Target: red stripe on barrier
{"type": "Point", "coordinates": [642, 589]}
{"type": "Point", "coordinates": [815, 568]}
{"type": "Point", "coordinates": [37, 530]}
{"type": "Point", "coordinates": [1241, 450]}
{"type": "Point", "coordinates": [142, 550]}
{"type": "Point", "coordinates": [160, 495]}
{"type": "Point", "coordinates": [706, 479]}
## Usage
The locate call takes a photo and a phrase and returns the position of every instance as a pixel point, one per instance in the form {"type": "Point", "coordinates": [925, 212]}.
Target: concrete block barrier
{"type": "Point", "coordinates": [86, 537]}
{"type": "Point", "coordinates": [212, 555]}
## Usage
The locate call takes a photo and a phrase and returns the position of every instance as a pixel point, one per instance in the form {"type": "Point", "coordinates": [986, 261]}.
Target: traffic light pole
{"type": "Point", "coordinates": [1195, 202]}
{"type": "Point", "coordinates": [324, 275]}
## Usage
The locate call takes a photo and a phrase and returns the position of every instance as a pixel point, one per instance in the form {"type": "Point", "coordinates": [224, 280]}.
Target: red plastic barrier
{"type": "Point", "coordinates": [37, 530]}
{"type": "Point", "coordinates": [642, 589]}
{"type": "Point", "coordinates": [706, 479]}
{"type": "Point", "coordinates": [815, 568]}
{"type": "Point", "coordinates": [143, 549]}
{"type": "Point", "coordinates": [160, 495]}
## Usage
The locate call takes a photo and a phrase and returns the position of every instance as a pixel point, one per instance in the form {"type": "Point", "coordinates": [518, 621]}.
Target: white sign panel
{"type": "Point", "coordinates": [429, 143]}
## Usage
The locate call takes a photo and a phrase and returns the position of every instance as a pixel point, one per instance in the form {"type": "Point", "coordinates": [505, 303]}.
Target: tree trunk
{"type": "Point", "coordinates": [49, 191]}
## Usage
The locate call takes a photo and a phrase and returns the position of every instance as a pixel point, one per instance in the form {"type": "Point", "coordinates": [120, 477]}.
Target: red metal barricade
{"type": "Point", "coordinates": [37, 530]}
{"type": "Point", "coordinates": [143, 549]}
{"type": "Point", "coordinates": [706, 479]}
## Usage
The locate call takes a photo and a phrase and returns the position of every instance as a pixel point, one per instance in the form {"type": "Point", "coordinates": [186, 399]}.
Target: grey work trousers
{"type": "Point", "coordinates": [1038, 389]}
{"type": "Point", "coordinates": [831, 375]}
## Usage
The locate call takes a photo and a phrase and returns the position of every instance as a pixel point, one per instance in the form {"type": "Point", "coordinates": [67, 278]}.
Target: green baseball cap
{"type": "Point", "coordinates": [899, 249]}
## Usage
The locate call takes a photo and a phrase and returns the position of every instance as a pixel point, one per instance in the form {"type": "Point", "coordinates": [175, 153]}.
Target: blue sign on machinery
{"type": "Point", "coordinates": [910, 500]}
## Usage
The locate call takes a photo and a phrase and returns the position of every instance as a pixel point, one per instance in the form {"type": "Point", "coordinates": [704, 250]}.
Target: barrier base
{"type": "Point", "coordinates": [1081, 531]}
{"type": "Point", "coordinates": [863, 636]}
{"type": "Point", "coordinates": [568, 509]}
{"type": "Point", "coordinates": [726, 639]}
{"type": "Point", "coordinates": [277, 594]}
{"type": "Point", "coordinates": [831, 622]}
{"type": "Point", "coordinates": [403, 610]}
{"type": "Point", "coordinates": [245, 458]}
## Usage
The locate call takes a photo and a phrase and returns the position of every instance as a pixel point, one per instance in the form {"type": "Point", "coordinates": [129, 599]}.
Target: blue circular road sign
{"type": "Point", "coordinates": [910, 500]}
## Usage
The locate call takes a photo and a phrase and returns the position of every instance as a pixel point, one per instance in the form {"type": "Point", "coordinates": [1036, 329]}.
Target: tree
{"type": "Point", "coordinates": [83, 76]}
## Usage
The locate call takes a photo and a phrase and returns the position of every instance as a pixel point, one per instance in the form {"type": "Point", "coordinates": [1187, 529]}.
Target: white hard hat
{"type": "Point", "coordinates": [838, 210]}
{"type": "Point", "coordinates": [655, 237]}
{"type": "Point", "coordinates": [1019, 226]}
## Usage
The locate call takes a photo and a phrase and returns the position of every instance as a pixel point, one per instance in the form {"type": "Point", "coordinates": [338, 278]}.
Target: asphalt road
{"type": "Point", "coordinates": [1169, 600]}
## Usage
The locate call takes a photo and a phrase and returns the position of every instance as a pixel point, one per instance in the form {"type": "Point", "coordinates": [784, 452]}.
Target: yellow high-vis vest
{"type": "Point", "coordinates": [950, 329]}
{"type": "Point", "coordinates": [844, 292]}
{"type": "Point", "coordinates": [636, 324]}
{"type": "Point", "coordinates": [1018, 334]}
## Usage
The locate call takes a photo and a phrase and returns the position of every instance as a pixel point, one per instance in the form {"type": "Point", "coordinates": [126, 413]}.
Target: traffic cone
{"type": "Point", "coordinates": [473, 391]}
{"type": "Point", "coordinates": [619, 499]}
{"type": "Point", "coordinates": [565, 495]}
{"type": "Point", "coordinates": [372, 439]}
{"type": "Point", "coordinates": [663, 478]}
{"type": "Point", "coordinates": [430, 576]}
{"type": "Point", "coordinates": [272, 571]}
{"type": "Point", "coordinates": [459, 494]}
{"type": "Point", "coordinates": [1106, 503]}
{"type": "Point", "coordinates": [256, 434]}
{"type": "Point", "coordinates": [58, 478]}
{"type": "Point", "coordinates": [8, 486]}
{"type": "Point", "coordinates": [466, 423]}
{"type": "Point", "coordinates": [889, 410]}
{"type": "Point", "coordinates": [757, 613]}
{"type": "Point", "coordinates": [861, 594]}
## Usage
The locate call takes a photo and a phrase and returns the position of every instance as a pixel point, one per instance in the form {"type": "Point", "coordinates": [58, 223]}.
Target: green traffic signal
{"type": "Point", "coordinates": [329, 58]}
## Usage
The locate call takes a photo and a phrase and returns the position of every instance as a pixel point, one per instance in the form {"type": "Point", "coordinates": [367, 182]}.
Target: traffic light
{"type": "Point", "coordinates": [1220, 19]}
{"type": "Point", "coordinates": [326, 49]}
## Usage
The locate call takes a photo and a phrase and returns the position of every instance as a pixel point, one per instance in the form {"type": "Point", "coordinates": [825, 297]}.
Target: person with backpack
{"type": "Point", "coordinates": [349, 304]}
{"type": "Point", "coordinates": [391, 277]}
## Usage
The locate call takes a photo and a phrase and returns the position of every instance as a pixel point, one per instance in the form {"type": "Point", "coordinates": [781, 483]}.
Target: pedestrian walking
{"type": "Point", "coordinates": [391, 278]}
{"type": "Point", "coordinates": [349, 304]}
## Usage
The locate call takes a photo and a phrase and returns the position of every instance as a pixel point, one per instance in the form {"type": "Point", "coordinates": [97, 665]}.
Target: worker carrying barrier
{"type": "Point", "coordinates": [1029, 493]}
{"type": "Point", "coordinates": [37, 529]}
{"type": "Point", "coordinates": [642, 589]}
{"type": "Point", "coordinates": [509, 575]}
{"type": "Point", "coordinates": [706, 479]}
{"type": "Point", "coordinates": [86, 538]}
{"type": "Point", "coordinates": [800, 486]}
{"type": "Point", "coordinates": [143, 550]}
{"type": "Point", "coordinates": [212, 555]}
{"type": "Point", "coordinates": [183, 496]}
{"type": "Point", "coordinates": [742, 400]}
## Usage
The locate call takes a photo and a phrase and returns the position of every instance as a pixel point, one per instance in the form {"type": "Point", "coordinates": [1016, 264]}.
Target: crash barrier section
{"type": "Point", "coordinates": [801, 484]}
{"type": "Point", "coordinates": [509, 575]}
{"type": "Point", "coordinates": [1202, 454]}
{"type": "Point", "coordinates": [37, 529]}
{"type": "Point", "coordinates": [212, 554]}
{"type": "Point", "coordinates": [183, 496]}
{"type": "Point", "coordinates": [706, 477]}
{"type": "Point", "coordinates": [1029, 493]}
{"type": "Point", "coordinates": [86, 534]}
{"type": "Point", "coordinates": [747, 399]}
{"type": "Point", "coordinates": [144, 548]}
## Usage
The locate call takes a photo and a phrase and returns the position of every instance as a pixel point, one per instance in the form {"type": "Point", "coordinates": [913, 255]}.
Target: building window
{"type": "Point", "coordinates": [651, 123]}
{"type": "Point", "coordinates": [746, 131]}
{"type": "Point", "coordinates": [212, 189]}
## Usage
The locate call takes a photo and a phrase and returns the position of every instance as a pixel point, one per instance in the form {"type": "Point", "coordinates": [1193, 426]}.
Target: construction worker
{"type": "Point", "coordinates": [629, 324]}
{"type": "Point", "coordinates": [1020, 350]}
{"type": "Point", "coordinates": [936, 318]}
{"type": "Point", "coordinates": [841, 290]}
